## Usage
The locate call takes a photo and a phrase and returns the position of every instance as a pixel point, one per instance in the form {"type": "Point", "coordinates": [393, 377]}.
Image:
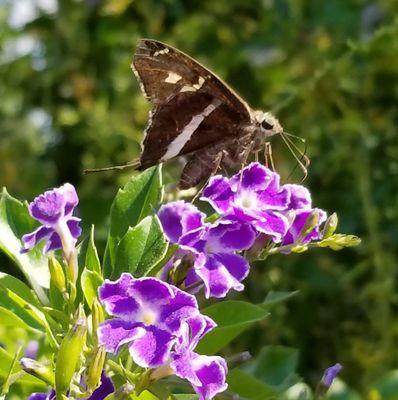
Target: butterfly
{"type": "Point", "coordinates": [194, 114]}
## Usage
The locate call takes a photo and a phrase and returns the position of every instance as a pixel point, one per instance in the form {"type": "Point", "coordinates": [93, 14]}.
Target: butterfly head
{"type": "Point", "coordinates": [267, 123]}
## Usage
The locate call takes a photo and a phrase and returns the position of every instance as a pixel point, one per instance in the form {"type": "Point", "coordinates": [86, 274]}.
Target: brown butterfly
{"type": "Point", "coordinates": [195, 114]}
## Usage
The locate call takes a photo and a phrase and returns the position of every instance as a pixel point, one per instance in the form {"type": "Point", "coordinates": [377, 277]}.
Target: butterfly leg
{"type": "Point", "coordinates": [269, 160]}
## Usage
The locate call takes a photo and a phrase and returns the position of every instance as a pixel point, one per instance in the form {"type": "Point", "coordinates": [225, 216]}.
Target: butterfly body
{"type": "Point", "coordinates": [194, 113]}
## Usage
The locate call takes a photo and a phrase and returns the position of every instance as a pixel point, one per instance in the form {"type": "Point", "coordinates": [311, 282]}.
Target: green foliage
{"type": "Point", "coordinates": [232, 318]}
{"type": "Point", "coordinates": [138, 199]}
{"type": "Point", "coordinates": [141, 248]}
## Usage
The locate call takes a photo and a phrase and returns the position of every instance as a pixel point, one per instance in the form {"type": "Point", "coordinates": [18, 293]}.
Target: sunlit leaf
{"type": "Point", "coordinates": [141, 248]}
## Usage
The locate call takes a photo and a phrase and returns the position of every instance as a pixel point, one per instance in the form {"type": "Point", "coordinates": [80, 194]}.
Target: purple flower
{"type": "Point", "coordinates": [106, 387]}
{"type": "Point", "coordinates": [216, 263]}
{"type": "Point", "coordinates": [207, 374]}
{"type": "Point", "coordinates": [53, 209]}
{"type": "Point", "coordinates": [213, 247]}
{"type": "Point", "coordinates": [255, 196]}
{"type": "Point", "coordinates": [148, 317]}
{"type": "Point", "coordinates": [178, 218]}
{"type": "Point", "coordinates": [330, 374]}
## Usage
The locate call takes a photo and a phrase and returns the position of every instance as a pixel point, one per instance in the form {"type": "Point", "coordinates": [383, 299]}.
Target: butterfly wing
{"type": "Point", "coordinates": [192, 107]}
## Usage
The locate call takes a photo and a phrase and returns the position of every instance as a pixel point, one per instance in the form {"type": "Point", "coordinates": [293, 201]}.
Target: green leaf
{"type": "Point", "coordinates": [6, 361]}
{"type": "Point", "coordinates": [185, 396]}
{"type": "Point", "coordinates": [18, 287]}
{"type": "Point", "coordinates": [8, 318]}
{"type": "Point", "coordinates": [92, 261]}
{"type": "Point", "coordinates": [276, 366]}
{"type": "Point", "coordinates": [141, 248]}
{"type": "Point", "coordinates": [16, 297]}
{"type": "Point", "coordinates": [15, 221]}
{"type": "Point", "coordinates": [138, 199]}
{"type": "Point", "coordinates": [232, 318]}
{"type": "Point", "coordinates": [90, 282]}
{"type": "Point", "coordinates": [277, 297]}
{"type": "Point", "coordinates": [248, 387]}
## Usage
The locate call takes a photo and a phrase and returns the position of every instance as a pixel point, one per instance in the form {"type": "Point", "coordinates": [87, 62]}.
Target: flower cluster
{"type": "Point", "coordinates": [250, 204]}
{"type": "Point", "coordinates": [161, 325]}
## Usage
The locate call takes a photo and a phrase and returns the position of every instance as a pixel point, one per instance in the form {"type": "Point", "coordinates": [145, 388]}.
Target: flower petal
{"type": "Point", "coordinates": [218, 193]}
{"type": "Point", "coordinates": [74, 226]}
{"type": "Point", "coordinates": [278, 200]}
{"type": "Point", "coordinates": [106, 387]}
{"type": "Point", "coordinates": [211, 371]}
{"type": "Point", "coordinates": [152, 348]}
{"type": "Point", "coordinates": [182, 306]}
{"type": "Point", "coordinates": [300, 197]}
{"type": "Point", "coordinates": [112, 334]}
{"type": "Point", "coordinates": [273, 224]}
{"type": "Point", "coordinates": [53, 243]}
{"type": "Point", "coordinates": [178, 218]}
{"type": "Point", "coordinates": [151, 291]}
{"type": "Point", "coordinates": [71, 199]}
{"type": "Point", "coordinates": [254, 177]}
{"type": "Point", "coordinates": [115, 296]}
{"type": "Point", "coordinates": [31, 239]}
{"type": "Point", "coordinates": [232, 235]}
{"type": "Point", "coordinates": [207, 374]}
{"type": "Point", "coordinates": [219, 278]}
{"type": "Point", "coordinates": [48, 208]}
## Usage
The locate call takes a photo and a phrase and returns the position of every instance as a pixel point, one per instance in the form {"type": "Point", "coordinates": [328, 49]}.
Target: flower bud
{"type": "Point", "coordinates": [69, 354]}
{"type": "Point", "coordinates": [97, 316]}
{"type": "Point", "coordinates": [57, 274]}
{"type": "Point", "coordinates": [330, 226]}
{"type": "Point", "coordinates": [37, 369]}
{"type": "Point", "coordinates": [94, 371]}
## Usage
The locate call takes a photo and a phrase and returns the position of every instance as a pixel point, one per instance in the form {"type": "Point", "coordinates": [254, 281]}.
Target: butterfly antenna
{"type": "Point", "coordinates": [132, 164]}
{"type": "Point", "coordinates": [302, 160]}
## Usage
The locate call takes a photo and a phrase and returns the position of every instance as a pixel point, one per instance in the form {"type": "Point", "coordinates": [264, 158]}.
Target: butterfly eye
{"type": "Point", "coordinates": [266, 125]}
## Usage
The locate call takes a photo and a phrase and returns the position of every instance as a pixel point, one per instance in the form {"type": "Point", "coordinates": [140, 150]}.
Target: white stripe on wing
{"type": "Point", "coordinates": [182, 139]}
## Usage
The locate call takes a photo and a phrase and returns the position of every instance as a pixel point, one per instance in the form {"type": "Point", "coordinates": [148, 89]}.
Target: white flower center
{"type": "Point", "coordinates": [247, 200]}
{"type": "Point", "coordinates": [149, 317]}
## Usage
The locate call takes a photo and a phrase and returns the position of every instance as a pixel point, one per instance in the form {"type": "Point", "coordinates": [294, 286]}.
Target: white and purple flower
{"type": "Point", "coordinates": [253, 195]}
{"type": "Point", "coordinates": [161, 325]}
{"type": "Point", "coordinates": [54, 209]}
{"type": "Point", "coordinates": [213, 247]}
{"type": "Point", "coordinates": [148, 315]}
{"type": "Point", "coordinates": [207, 374]}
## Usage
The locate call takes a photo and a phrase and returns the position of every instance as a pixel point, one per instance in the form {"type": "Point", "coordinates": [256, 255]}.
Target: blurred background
{"type": "Point", "coordinates": [328, 69]}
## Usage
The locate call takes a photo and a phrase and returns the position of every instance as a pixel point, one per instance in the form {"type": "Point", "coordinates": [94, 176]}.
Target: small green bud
{"type": "Point", "coordinates": [69, 354]}
{"type": "Point", "coordinates": [339, 241]}
{"type": "Point", "coordinates": [57, 274]}
{"type": "Point", "coordinates": [330, 226]}
{"type": "Point", "coordinates": [39, 370]}
{"type": "Point", "coordinates": [93, 376]}
{"type": "Point", "coordinates": [97, 316]}
{"type": "Point", "coordinates": [299, 248]}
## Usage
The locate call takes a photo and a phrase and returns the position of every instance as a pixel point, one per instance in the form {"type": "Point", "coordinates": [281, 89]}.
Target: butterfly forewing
{"type": "Point", "coordinates": [192, 108]}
